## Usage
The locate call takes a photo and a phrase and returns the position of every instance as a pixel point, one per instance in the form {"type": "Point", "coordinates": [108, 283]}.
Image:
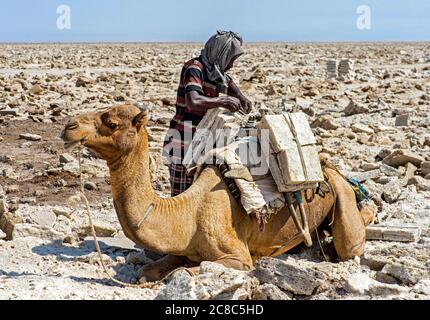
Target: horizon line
{"type": "Point", "coordinates": [200, 42]}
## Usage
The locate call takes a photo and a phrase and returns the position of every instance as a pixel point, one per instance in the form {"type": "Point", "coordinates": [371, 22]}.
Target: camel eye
{"type": "Point", "coordinates": [112, 125]}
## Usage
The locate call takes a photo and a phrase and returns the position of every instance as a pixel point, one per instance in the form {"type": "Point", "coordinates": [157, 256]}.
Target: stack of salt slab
{"type": "Point", "coordinates": [218, 128]}
{"type": "Point", "coordinates": [293, 159]}
{"type": "Point", "coordinates": [331, 69]}
{"type": "Point", "coordinates": [346, 67]}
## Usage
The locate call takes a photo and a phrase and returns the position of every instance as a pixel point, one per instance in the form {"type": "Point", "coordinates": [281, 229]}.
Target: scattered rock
{"type": "Point", "coordinates": [367, 175]}
{"type": "Point", "coordinates": [384, 289]}
{"type": "Point", "coordinates": [43, 218]}
{"type": "Point", "coordinates": [388, 170]}
{"type": "Point", "coordinates": [66, 158]}
{"type": "Point", "coordinates": [406, 274]}
{"type": "Point", "coordinates": [36, 89]}
{"type": "Point", "coordinates": [219, 282]}
{"type": "Point", "coordinates": [62, 212]}
{"type": "Point", "coordinates": [102, 230]}
{"type": "Point", "coordinates": [425, 168]}
{"type": "Point", "coordinates": [137, 257]}
{"type": "Point", "coordinates": [355, 108]}
{"type": "Point", "coordinates": [402, 120]}
{"type": "Point", "coordinates": [269, 291]}
{"type": "Point", "coordinates": [325, 122]}
{"type": "Point", "coordinates": [362, 284]}
{"type": "Point", "coordinates": [358, 283]}
{"type": "Point", "coordinates": [119, 242]}
{"type": "Point", "coordinates": [182, 286]}
{"type": "Point", "coordinates": [289, 275]}
{"type": "Point", "coordinates": [422, 287]}
{"type": "Point", "coordinates": [410, 171]}
{"type": "Point", "coordinates": [420, 183]}
{"type": "Point", "coordinates": [93, 258]}
{"type": "Point", "coordinates": [90, 185]}
{"type": "Point", "coordinates": [84, 81]}
{"type": "Point", "coordinates": [24, 230]}
{"type": "Point", "coordinates": [361, 128]}
{"type": "Point", "coordinates": [401, 157]}
{"type": "Point", "coordinates": [30, 137]}
{"type": "Point", "coordinates": [392, 191]}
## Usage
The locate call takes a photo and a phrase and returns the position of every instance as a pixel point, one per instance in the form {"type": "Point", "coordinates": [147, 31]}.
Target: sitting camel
{"type": "Point", "coordinates": [205, 222]}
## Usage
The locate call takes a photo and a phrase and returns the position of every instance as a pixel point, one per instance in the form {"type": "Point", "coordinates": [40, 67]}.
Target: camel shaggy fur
{"type": "Point", "coordinates": [205, 222]}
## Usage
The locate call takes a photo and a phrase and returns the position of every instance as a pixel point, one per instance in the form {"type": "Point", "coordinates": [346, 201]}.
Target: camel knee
{"type": "Point", "coordinates": [349, 250]}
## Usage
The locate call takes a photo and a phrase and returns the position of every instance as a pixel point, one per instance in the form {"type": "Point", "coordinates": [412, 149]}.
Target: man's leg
{"type": "Point", "coordinates": [179, 181]}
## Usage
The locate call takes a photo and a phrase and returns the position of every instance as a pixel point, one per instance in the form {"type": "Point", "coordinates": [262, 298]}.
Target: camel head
{"type": "Point", "coordinates": [111, 133]}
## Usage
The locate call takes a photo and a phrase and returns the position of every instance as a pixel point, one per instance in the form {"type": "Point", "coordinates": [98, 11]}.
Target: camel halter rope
{"type": "Point", "coordinates": [149, 285]}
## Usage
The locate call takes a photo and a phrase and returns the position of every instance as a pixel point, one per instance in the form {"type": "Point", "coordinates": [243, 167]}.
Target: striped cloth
{"type": "Point", "coordinates": [184, 123]}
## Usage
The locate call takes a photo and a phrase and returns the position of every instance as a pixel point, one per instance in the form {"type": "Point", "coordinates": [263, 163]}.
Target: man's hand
{"type": "Point", "coordinates": [246, 104]}
{"type": "Point", "coordinates": [231, 103]}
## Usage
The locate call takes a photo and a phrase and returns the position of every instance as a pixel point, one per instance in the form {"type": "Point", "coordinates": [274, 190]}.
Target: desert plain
{"type": "Point", "coordinates": [374, 125]}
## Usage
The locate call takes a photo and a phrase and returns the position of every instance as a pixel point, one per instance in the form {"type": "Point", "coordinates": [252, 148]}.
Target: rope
{"type": "Point", "coordinates": [90, 220]}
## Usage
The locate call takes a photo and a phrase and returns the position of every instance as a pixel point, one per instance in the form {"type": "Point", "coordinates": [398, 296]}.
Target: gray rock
{"type": "Point", "coordinates": [182, 286]}
{"type": "Point", "coordinates": [384, 289]}
{"type": "Point", "coordinates": [410, 171]}
{"type": "Point", "coordinates": [384, 153]}
{"type": "Point", "coordinates": [389, 171]}
{"type": "Point", "coordinates": [137, 257]}
{"type": "Point", "coordinates": [373, 262]}
{"type": "Point", "coordinates": [120, 241]}
{"type": "Point", "coordinates": [385, 180]}
{"type": "Point", "coordinates": [36, 89]}
{"type": "Point", "coordinates": [361, 128]}
{"type": "Point", "coordinates": [66, 158]}
{"type": "Point", "coordinates": [362, 284]}
{"type": "Point", "coordinates": [43, 218]}
{"type": "Point", "coordinates": [406, 274]}
{"type": "Point", "coordinates": [422, 287]}
{"type": "Point", "coordinates": [102, 229]}
{"type": "Point", "coordinates": [268, 291]}
{"type": "Point", "coordinates": [9, 112]}
{"type": "Point", "coordinates": [355, 108]}
{"type": "Point", "coordinates": [364, 176]}
{"type": "Point", "coordinates": [420, 183]}
{"type": "Point", "coordinates": [93, 258]}
{"type": "Point", "coordinates": [402, 120]}
{"type": "Point", "coordinates": [84, 81]}
{"type": "Point", "coordinates": [62, 212]}
{"type": "Point", "coordinates": [24, 230]}
{"type": "Point", "coordinates": [325, 122]}
{"type": "Point", "coordinates": [425, 168]}
{"type": "Point", "coordinates": [90, 185]}
{"type": "Point", "coordinates": [401, 157]}
{"type": "Point", "coordinates": [30, 137]}
{"type": "Point", "coordinates": [289, 275]}
{"type": "Point", "coordinates": [358, 283]}
{"type": "Point", "coordinates": [219, 282]}
{"type": "Point", "coordinates": [392, 191]}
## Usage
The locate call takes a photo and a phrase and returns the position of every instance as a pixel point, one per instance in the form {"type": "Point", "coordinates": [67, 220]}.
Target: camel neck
{"type": "Point", "coordinates": [145, 218]}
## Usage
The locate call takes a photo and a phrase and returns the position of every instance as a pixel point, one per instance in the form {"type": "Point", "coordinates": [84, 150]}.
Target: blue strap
{"type": "Point", "coordinates": [298, 197]}
{"type": "Point", "coordinates": [359, 186]}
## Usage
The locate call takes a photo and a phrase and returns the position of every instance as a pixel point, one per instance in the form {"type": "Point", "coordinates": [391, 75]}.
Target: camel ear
{"type": "Point", "coordinates": [140, 120]}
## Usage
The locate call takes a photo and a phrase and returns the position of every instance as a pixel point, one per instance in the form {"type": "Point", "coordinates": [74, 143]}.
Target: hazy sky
{"type": "Point", "coordinates": [196, 20]}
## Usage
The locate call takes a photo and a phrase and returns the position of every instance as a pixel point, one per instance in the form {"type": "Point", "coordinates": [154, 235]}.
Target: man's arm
{"type": "Point", "coordinates": [234, 91]}
{"type": "Point", "coordinates": [196, 101]}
